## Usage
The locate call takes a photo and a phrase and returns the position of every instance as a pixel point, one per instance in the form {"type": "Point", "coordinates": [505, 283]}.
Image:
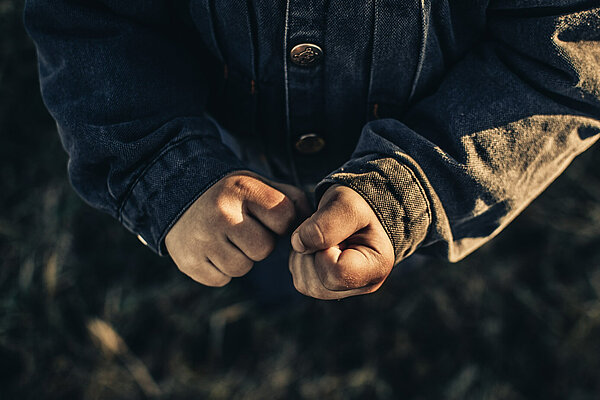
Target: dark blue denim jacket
{"type": "Point", "coordinates": [449, 117]}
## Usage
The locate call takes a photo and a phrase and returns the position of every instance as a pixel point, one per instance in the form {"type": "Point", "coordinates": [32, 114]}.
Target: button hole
{"type": "Point", "coordinates": [252, 87]}
{"type": "Point", "coordinates": [376, 110]}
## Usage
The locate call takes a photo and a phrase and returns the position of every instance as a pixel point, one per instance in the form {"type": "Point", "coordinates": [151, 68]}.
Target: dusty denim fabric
{"type": "Point", "coordinates": [448, 117]}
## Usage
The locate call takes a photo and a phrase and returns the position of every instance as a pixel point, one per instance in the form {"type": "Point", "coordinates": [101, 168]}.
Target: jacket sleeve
{"type": "Point", "coordinates": [127, 87]}
{"type": "Point", "coordinates": [504, 123]}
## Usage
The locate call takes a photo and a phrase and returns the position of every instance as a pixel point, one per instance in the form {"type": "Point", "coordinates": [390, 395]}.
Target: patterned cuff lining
{"type": "Point", "coordinates": [395, 195]}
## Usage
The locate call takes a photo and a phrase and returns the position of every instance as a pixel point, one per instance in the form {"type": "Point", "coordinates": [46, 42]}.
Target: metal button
{"type": "Point", "coordinates": [306, 54]}
{"type": "Point", "coordinates": [309, 144]}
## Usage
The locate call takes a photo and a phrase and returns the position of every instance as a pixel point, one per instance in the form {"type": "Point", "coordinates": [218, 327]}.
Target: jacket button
{"type": "Point", "coordinates": [309, 144]}
{"type": "Point", "coordinates": [306, 54]}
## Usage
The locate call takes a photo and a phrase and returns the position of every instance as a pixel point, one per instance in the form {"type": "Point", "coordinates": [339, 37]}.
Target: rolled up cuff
{"type": "Point", "coordinates": [171, 183]}
{"type": "Point", "coordinates": [395, 195]}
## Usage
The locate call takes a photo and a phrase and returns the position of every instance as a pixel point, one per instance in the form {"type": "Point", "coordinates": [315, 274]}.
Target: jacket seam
{"type": "Point", "coordinates": [423, 51]}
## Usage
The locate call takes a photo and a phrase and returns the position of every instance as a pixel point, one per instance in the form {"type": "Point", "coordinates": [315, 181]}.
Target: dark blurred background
{"type": "Point", "coordinates": [86, 312]}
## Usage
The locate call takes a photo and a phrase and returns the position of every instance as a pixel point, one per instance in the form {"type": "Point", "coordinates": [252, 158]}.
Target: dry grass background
{"type": "Point", "coordinates": [87, 313]}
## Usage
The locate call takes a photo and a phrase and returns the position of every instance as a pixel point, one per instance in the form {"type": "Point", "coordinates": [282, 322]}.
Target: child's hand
{"type": "Point", "coordinates": [342, 250]}
{"type": "Point", "coordinates": [232, 225]}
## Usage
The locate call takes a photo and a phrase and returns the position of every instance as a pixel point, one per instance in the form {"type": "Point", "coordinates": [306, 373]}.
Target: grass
{"type": "Point", "coordinates": [86, 312]}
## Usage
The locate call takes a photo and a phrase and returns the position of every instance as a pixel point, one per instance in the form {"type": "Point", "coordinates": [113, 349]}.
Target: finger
{"type": "Point", "coordinates": [353, 268]}
{"type": "Point", "coordinates": [206, 273]}
{"type": "Point", "coordinates": [272, 208]}
{"type": "Point", "coordinates": [307, 282]}
{"type": "Point", "coordinates": [324, 293]}
{"type": "Point", "coordinates": [305, 279]}
{"type": "Point", "coordinates": [296, 271]}
{"type": "Point", "coordinates": [298, 197]}
{"type": "Point", "coordinates": [311, 282]}
{"type": "Point", "coordinates": [229, 259]}
{"type": "Point", "coordinates": [330, 225]}
{"type": "Point", "coordinates": [313, 287]}
{"type": "Point", "coordinates": [252, 238]}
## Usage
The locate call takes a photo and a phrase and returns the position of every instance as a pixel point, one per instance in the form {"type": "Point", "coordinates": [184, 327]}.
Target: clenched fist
{"type": "Point", "coordinates": [342, 250]}
{"type": "Point", "coordinates": [232, 225]}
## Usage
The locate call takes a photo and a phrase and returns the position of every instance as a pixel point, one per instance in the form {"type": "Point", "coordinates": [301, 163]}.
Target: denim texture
{"type": "Point", "coordinates": [448, 117]}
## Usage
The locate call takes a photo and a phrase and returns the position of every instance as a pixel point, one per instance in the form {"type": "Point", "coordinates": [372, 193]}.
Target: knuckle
{"type": "Point", "coordinates": [199, 273]}
{"type": "Point", "coordinates": [197, 266]}
{"type": "Point", "coordinates": [243, 185]}
{"type": "Point", "coordinates": [238, 181]}
{"type": "Point", "coordinates": [221, 204]}
{"type": "Point", "coordinates": [271, 196]}
{"type": "Point", "coordinates": [223, 207]}
{"type": "Point", "coordinates": [262, 248]}
{"type": "Point", "coordinates": [221, 210]}
{"type": "Point", "coordinates": [186, 262]}
{"type": "Point", "coordinates": [286, 214]}
{"type": "Point", "coordinates": [218, 282]}
{"type": "Point", "coordinates": [313, 234]}
{"type": "Point", "coordinates": [241, 267]}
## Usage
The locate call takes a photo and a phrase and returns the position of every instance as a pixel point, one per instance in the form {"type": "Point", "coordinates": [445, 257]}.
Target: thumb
{"type": "Point", "coordinates": [337, 218]}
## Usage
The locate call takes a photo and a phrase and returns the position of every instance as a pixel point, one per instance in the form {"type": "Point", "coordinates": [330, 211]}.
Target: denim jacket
{"type": "Point", "coordinates": [449, 117]}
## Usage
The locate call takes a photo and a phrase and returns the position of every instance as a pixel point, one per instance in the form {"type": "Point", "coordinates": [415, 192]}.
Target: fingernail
{"type": "Point", "coordinates": [297, 243]}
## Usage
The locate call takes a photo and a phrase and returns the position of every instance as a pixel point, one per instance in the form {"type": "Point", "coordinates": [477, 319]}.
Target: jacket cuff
{"type": "Point", "coordinates": [395, 195]}
{"type": "Point", "coordinates": [171, 183]}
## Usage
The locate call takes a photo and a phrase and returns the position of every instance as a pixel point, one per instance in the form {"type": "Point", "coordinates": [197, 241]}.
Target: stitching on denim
{"type": "Point", "coordinates": [424, 32]}
{"type": "Point", "coordinates": [287, 96]}
{"type": "Point", "coordinates": [374, 38]}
